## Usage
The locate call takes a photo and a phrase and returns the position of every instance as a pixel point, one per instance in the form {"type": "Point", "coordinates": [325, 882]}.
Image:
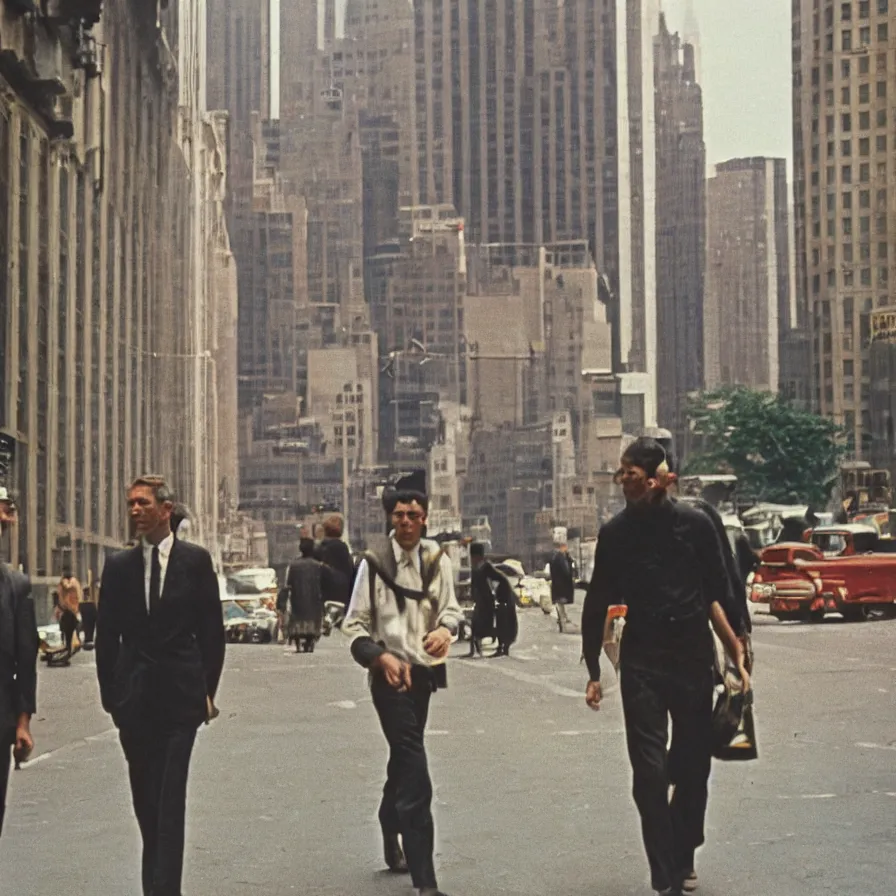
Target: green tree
{"type": "Point", "coordinates": [779, 452]}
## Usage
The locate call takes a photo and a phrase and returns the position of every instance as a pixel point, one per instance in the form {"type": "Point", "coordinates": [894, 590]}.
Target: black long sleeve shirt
{"type": "Point", "coordinates": [666, 564]}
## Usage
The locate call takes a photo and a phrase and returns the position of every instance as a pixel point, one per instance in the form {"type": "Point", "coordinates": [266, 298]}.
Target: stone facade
{"type": "Point", "coordinates": [107, 350]}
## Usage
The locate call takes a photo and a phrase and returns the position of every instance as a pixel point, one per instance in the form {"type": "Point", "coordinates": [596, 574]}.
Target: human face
{"type": "Point", "coordinates": [408, 521]}
{"type": "Point", "coordinates": [634, 482]}
{"type": "Point", "coordinates": [151, 518]}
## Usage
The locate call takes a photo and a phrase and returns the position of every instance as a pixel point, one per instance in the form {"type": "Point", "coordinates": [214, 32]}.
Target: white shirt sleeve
{"type": "Point", "coordinates": [357, 619]}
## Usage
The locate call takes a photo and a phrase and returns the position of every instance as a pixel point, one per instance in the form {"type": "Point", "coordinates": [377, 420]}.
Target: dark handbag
{"type": "Point", "coordinates": [733, 725]}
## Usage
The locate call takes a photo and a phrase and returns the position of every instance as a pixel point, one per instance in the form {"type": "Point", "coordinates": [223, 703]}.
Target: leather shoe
{"type": "Point", "coordinates": [394, 854]}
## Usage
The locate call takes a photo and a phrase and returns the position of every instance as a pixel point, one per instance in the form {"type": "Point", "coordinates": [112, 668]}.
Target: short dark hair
{"type": "Point", "coordinates": [161, 491]}
{"type": "Point", "coordinates": [306, 547]}
{"type": "Point", "coordinates": [645, 453]}
{"type": "Point", "coordinates": [392, 499]}
{"type": "Point", "coordinates": [477, 549]}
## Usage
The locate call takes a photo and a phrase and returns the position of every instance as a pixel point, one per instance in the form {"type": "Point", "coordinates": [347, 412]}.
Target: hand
{"type": "Point", "coordinates": [593, 695]}
{"type": "Point", "coordinates": [24, 741]}
{"type": "Point", "coordinates": [396, 672]}
{"type": "Point", "coordinates": [747, 645]}
{"type": "Point", "coordinates": [438, 643]}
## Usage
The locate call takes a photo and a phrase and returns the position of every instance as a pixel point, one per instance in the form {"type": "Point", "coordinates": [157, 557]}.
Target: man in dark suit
{"type": "Point", "coordinates": [563, 583]}
{"type": "Point", "coordinates": [18, 660]}
{"type": "Point", "coordinates": [159, 656]}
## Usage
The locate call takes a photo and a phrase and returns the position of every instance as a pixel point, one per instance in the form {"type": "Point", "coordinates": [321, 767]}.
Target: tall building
{"type": "Point", "coordinates": [844, 77]}
{"type": "Point", "coordinates": [680, 227]}
{"type": "Point", "coordinates": [747, 306]}
{"type": "Point", "coordinates": [109, 317]}
{"type": "Point", "coordinates": [515, 119]}
{"type": "Point", "coordinates": [629, 291]}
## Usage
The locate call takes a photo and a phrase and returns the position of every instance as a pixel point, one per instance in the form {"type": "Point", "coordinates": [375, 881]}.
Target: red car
{"type": "Point", "coordinates": [803, 581]}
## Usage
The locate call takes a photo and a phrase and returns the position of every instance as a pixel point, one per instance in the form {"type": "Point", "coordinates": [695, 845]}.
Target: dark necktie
{"type": "Point", "coordinates": [155, 581]}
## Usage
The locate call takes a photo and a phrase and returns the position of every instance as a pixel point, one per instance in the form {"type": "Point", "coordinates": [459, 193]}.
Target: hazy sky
{"type": "Point", "coordinates": [744, 72]}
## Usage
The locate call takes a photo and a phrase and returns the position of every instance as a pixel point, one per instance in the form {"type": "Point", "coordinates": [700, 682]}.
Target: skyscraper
{"type": "Point", "coordinates": [680, 227]}
{"type": "Point", "coordinates": [747, 306]}
{"type": "Point", "coordinates": [844, 79]}
{"type": "Point", "coordinates": [515, 118]}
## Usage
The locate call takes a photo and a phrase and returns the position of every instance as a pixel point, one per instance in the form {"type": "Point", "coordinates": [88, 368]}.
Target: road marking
{"type": "Point", "coordinates": [110, 734]}
{"type": "Point", "coordinates": [344, 704]}
{"type": "Point", "coordinates": [877, 746]}
{"type": "Point", "coordinates": [528, 678]}
{"type": "Point", "coordinates": [807, 796]}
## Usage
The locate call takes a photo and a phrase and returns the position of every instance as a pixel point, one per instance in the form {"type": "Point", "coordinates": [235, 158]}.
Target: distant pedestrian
{"type": "Point", "coordinates": [159, 657]}
{"type": "Point", "coordinates": [334, 553]}
{"type": "Point", "coordinates": [88, 614]}
{"type": "Point", "coordinates": [18, 661]}
{"type": "Point", "coordinates": [483, 594]}
{"type": "Point", "coordinates": [401, 621]}
{"type": "Point", "coordinates": [67, 601]}
{"type": "Point", "coordinates": [665, 562]}
{"type": "Point", "coordinates": [562, 572]}
{"type": "Point", "coordinates": [305, 606]}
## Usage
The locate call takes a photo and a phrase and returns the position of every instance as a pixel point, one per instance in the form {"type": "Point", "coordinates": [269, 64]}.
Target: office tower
{"type": "Point", "coordinates": [747, 306]}
{"type": "Point", "coordinates": [680, 227]}
{"type": "Point", "coordinates": [844, 80]}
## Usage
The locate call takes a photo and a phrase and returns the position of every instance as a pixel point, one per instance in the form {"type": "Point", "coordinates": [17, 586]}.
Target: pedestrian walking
{"type": "Point", "coordinates": [664, 561]}
{"type": "Point", "coordinates": [67, 606]}
{"type": "Point", "coordinates": [18, 661]}
{"type": "Point", "coordinates": [562, 572]}
{"type": "Point", "coordinates": [334, 552]}
{"type": "Point", "coordinates": [507, 625]}
{"type": "Point", "coordinates": [483, 622]}
{"type": "Point", "coordinates": [305, 606]}
{"type": "Point", "coordinates": [401, 620]}
{"type": "Point", "coordinates": [159, 657]}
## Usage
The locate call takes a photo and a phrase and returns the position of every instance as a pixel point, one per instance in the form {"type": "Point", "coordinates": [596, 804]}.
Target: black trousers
{"type": "Point", "coordinates": [5, 764]}
{"type": "Point", "coordinates": [407, 796]}
{"type": "Point", "coordinates": [652, 692]}
{"type": "Point", "coordinates": [158, 765]}
{"type": "Point", "coordinates": [68, 625]}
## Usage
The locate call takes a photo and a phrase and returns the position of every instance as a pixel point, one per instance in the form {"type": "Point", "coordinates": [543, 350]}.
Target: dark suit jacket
{"type": "Point", "coordinates": [337, 584]}
{"type": "Point", "coordinates": [18, 649]}
{"type": "Point", "coordinates": [563, 586]}
{"type": "Point", "coordinates": [159, 669]}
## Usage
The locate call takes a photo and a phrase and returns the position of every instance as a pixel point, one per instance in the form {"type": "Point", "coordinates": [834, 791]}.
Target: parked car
{"type": "Point", "coordinates": [242, 626]}
{"type": "Point", "coordinates": [799, 581]}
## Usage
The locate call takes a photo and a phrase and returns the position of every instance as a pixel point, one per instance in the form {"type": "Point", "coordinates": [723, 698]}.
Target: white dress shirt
{"type": "Point", "coordinates": [403, 633]}
{"type": "Point", "coordinates": [165, 546]}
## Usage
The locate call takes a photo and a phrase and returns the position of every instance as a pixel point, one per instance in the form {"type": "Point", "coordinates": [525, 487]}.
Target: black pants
{"type": "Point", "coordinates": [407, 795]}
{"type": "Point", "coordinates": [88, 621]}
{"type": "Point", "coordinates": [651, 694]}
{"type": "Point", "coordinates": [158, 764]}
{"type": "Point", "coordinates": [5, 764]}
{"type": "Point", "coordinates": [68, 625]}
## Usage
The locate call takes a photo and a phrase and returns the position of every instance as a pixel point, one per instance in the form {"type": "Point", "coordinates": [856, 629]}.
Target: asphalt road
{"type": "Point", "coordinates": [532, 788]}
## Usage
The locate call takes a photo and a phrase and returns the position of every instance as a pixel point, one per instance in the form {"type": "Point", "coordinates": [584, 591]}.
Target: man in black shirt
{"type": "Point", "coordinates": [664, 561]}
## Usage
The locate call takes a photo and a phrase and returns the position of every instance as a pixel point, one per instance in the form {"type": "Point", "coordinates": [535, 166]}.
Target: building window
{"type": "Point", "coordinates": [881, 143]}
{"type": "Point", "coordinates": [881, 90]}
{"type": "Point", "coordinates": [883, 7]}
{"type": "Point", "coordinates": [846, 39]}
{"type": "Point", "coordinates": [864, 93]}
{"type": "Point", "coordinates": [882, 33]}
{"type": "Point", "coordinates": [881, 118]}
{"type": "Point", "coordinates": [844, 96]}
{"type": "Point", "coordinates": [846, 122]}
{"type": "Point", "coordinates": [864, 173]}
{"type": "Point", "coordinates": [864, 65]}
{"type": "Point", "coordinates": [846, 148]}
{"type": "Point", "coordinates": [846, 174]}
{"type": "Point", "coordinates": [864, 37]}
{"type": "Point", "coordinates": [846, 196]}
{"type": "Point", "coordinates": [864, 146]}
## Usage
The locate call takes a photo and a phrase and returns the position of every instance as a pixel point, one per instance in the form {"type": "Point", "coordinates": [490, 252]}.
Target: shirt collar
{"type": "Point", "coordinates": [399, 552]}
{"type": "Point", "coordinates": [165, 546]}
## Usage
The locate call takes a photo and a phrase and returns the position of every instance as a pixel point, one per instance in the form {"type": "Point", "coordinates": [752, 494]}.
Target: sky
{"type": "Point", "coordinates": [744, 57]}
{"type": "Point", "coordinates": [744, 71]}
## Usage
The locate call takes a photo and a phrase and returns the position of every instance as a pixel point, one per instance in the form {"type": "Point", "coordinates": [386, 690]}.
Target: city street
{"type": "Point", "coordinates": [532, 788]}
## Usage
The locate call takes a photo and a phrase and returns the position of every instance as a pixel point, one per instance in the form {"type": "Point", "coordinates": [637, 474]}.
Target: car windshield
{"type": "Point", "coordinates": [829, 542]}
